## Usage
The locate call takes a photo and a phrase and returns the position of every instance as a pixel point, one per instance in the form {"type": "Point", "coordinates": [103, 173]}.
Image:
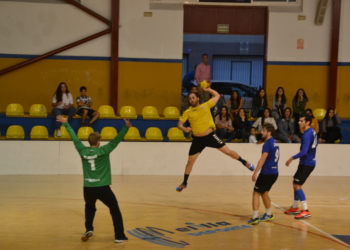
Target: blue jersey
{"type": "Point", "coordinates": [271, 163]}
{"type": "Point", "coordinates": [309, 144]}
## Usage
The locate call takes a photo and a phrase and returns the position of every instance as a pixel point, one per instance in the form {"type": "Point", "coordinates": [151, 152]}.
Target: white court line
{"type": "Point", "coordinates": [317, 206]}
{"type": "Point", "coordinates": [327, 234]}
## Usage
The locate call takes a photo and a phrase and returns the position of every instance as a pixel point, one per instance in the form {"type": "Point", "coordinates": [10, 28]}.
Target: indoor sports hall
{"type": "Point", "coordinates": [133, 56]}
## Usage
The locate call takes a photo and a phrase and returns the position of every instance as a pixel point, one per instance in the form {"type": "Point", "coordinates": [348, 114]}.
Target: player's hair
{"type": "Point", "coordinates": [193, 86]}
{"type": "Point", "coordinates": [310, 110]}
{"type": "Point", "coordinates": [196, 94]}
{"type": "Point", "coordinates": [82, 88]}
{"type": "Point", "coordinates": [269, 128]}
{"type": "Point", "coordinates": [205, 55]}
{"type": "Point", "coordinates": [59, 93]}
{"type": "Point", "coordinates": [227, 115]}
{"type": "Point", "coordinates": [284, 113]}
{"type": "Point", "coordinates": [237, 100]}
{"type": "Point", "coordinates": [334, 119]}
{"type": "Point", "coordinates": [283, 97]}
{"type": "Point", "coordinates": [307, 117]}
{"type": "Point", "coordinates": [94, 138]}
{"type": "Point", "coordinates": [296, 97]}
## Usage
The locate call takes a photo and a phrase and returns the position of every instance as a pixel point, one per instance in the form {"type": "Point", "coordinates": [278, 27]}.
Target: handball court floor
{"type": "Point", "coordinates": [47, 212]}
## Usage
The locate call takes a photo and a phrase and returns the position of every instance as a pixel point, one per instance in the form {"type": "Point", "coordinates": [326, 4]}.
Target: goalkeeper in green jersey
{"type": "Point", "coordinates": [97, 178]}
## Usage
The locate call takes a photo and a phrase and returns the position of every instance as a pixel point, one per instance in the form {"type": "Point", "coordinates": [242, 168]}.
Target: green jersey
{"type": "Point", "coordinates": [96, 164]}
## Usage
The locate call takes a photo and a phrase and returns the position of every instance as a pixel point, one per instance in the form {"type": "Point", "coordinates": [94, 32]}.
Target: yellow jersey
{"type": "Point", "coordinates": [200, 117]}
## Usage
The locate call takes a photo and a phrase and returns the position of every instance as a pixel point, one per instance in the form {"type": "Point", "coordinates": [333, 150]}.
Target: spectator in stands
{"type": "Point", "coordinates": [266, 118]}
{"type": "Point", "coordinates": [235, 103]}
{"type": "Point", "coordinates": [314, 123]}
{"type": "Point", "coordinates": [203, 72]}
{"type": "Point", "coordinates": [84, 102]}
{"type": "Point", "coordinates": [62, 103]}
{"type": "Point", "coordinates": [194, 89]}
{"type": "Point", "coordinates": [259, 103]}
{"type": "Point", "coordinates": [285, 132]}
{"type": "Point", "coordinates": [279, 103]}
{"type": "Point", "coordinates": [223, 124]}
{"type": "Point", "coordinates": [330, 131]}
{"type": "Point", "coordinates": [299, 102]}
{"type": "Point", "coordinates": [241, 126]}
{"type": "Point", "coordinates": [252, 137]}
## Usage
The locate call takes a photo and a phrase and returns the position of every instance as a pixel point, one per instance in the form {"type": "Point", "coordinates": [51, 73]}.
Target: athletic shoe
{"type": "Point", "coordinates": [254, 221]}
{"type": "Point", "coordinates": [87, 235]}
{"type": "Point", "coordinates": [121, 240]}
{"type": "Point", "coordinates": [250, 166]}
{"type": "Point", "coordinates": [266, 217]}
{"type": "Point", "coordinates": [179, 188]}
{"type": "Point", "coordinates": [58, 134]}
{"type": "Point", "coordinates": [303, 214]}
{"type": "Point", "coordinates": [292, 210]}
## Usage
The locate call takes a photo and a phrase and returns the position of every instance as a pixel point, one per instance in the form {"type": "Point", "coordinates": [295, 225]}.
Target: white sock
{"type": "Point", "coordinates": [268, 211]}
{"type": "Point", "coordinates": [304, 205]}
{"type": "Point", "coordinates": [295, 204]}
{"type": "Point", "coordinates": [255, 214]}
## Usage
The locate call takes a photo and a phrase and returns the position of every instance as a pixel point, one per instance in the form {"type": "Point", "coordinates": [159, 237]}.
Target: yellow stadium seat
{"type": "Point", "coordinates": [133, 134]}
{"type": "Point", "coordinates": [108, 133]}
{"type": "Point", "coordinates": [150, 112]}
{"type": "Point", "coordinates": [319, 114]}
{"type": "Point", "coordinates": [175, 134]}
{"type": "Point", "coordinates": [337, 141]}
{"type": "Point", "coordinates": [171, 113]}
{"type": "Point", "coordinates": [106, 111]}
{"type": "Point", "coordinates": [14, 109]}
{"type": "Point", "coordinates": [84, 132]}
{"type": "Point", "coordinates": [39, 132]}
{"type": "Point", "coordinates": [15, 132]}
{"type": "Point", "coordinates": [237, 140]}
{"type": "Point", "coordinates": [128, 112]}
{"type": "Point", "coordinates": [64, 134]}
{"type": "Point", "coordinates": [154, 134]}
{"type": "Point", "coordinates": [38, 110]}
{"type": "Point", "coordinates": [250, 118]}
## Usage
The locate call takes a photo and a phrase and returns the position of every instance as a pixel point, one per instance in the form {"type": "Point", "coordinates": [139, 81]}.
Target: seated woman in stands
{"type": "Point", "coordinates": [314, 123]}
{"type": "Point", "coordinates": [279, 103]}
{"type": "Point", "coordinates": [330, 130]}
{"type": "Point", "coordinates": [241, 126]}
{"type": "Point", "coordinates": [266, 118]}
{"type": "Point", "coordinates": [259, 104]}
{"type": "Point", "coordinates": [235, 103]}
{"type": "Point", "coordinates": [285, 132]}
{"type": "Point", "coordinates": [223, 124]}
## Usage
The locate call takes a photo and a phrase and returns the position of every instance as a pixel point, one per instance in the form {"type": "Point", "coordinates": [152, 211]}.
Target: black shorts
{"type": "Point", "coordinates": [265, 182]}
{"type": "Point", "coordinates": [200, 143]}
{"type": "Point", "coordinates": [302, 174]}
{"type": "Point", "coordinates": [89, 114]}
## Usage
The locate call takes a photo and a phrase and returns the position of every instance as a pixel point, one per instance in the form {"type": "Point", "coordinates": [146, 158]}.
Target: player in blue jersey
{"type": "Point", "coordinates": [268, 164]}
{"type": "Point", "coordinates": [307, 164]}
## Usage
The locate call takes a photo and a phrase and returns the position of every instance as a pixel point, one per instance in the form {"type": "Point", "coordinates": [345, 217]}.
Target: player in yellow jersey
{"type": "Point", "coordinates": [203, 128]}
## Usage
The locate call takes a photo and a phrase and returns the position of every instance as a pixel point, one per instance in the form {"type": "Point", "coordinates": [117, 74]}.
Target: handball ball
{"type": "Point", "coordinates": [204, 84]}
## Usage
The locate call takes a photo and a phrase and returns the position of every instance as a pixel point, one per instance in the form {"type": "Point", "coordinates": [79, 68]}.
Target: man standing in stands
{"type": "Point", "coordinates": [203, 73]}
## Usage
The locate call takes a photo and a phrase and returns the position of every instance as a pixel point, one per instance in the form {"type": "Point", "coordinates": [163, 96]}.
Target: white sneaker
{"type": "Point", "coordinates": [58, 134]}
{"type": "Point", "coordinates": [87, 235]}
{"type": "Point", "coordinates": [121, 240]}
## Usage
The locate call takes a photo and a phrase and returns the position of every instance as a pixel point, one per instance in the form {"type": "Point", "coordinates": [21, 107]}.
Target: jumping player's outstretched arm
{"type": "Point", "coordinates": [108, 148]}
{"type": "Point", "coordinates": [77, 143]}
{"type": "Point", "coordinates": [215, 95]}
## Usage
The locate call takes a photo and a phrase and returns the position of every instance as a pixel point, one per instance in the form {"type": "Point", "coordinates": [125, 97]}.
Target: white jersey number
{"type": "Point", "coordinates": [92, 163]}
{"type": "Point", "coordinates": [277, 155]}
{"type": "Point", "coordinates": [315, 140]}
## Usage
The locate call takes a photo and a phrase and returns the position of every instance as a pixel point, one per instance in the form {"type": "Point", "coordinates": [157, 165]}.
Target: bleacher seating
{"type": "Point", "coordinates": [171, 113]}
{"type": "Point", "coordinates": [150, 112]}
{"type": "Point", "coordinates": [106, 111]}
{"type": "Point", "coordinates": [128, 112]}
{"type": "Point", "coordinates": [175, 134]}
{"type": "Point", "coordinates": [154, 134]}
{"type": "Point", "coordinates": [132, 134]}
{"type": "Point", "coordinates": [108, 133]}
{"type": "Point", "coordinates": [14, 109]}
{"type": "Point", "coordinates": [39, 132]}
{"type": "Point", "coordinates": [15, 132]}
{"type": "Point", "coordinates": [84, 132]}
{"type": "Point", "coordinates": [319, 114]}
{"type": "Point", "coordinates": [38, 110]}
